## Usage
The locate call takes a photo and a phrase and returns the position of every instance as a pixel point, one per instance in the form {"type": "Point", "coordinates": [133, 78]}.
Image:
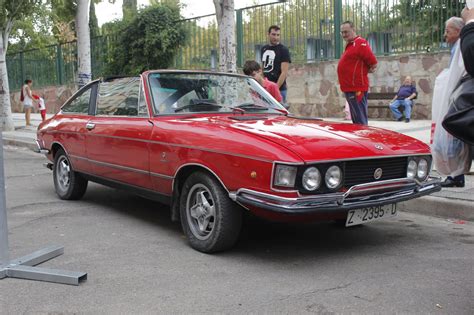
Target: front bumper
{"type": "Point", "coordinates": [358, 196]}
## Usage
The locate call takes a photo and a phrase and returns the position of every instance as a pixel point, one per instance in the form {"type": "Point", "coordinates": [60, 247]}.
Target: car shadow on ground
{"type": "Point", "coordinates": [287, 241]}
{"type": "Point", "coordinates": [136, 207]}
{"type": "Point", "coordinates": [260, 238]}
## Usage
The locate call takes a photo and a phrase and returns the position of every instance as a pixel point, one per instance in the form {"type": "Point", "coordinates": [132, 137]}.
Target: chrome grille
{"type": "Point", "coordinates": [362, 171]}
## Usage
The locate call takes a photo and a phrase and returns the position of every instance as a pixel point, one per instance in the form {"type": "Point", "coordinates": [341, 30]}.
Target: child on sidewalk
{"type": "Point", "coordinates": [41, 106]}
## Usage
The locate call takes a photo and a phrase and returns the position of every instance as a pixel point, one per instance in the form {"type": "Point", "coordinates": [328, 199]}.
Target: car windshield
{"type": "Point", "coordinates": [178, 93]}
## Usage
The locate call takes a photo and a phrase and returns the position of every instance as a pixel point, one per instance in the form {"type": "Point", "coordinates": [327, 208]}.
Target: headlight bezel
{"type": "Point", "coordinates": [277, 180]}
{"type": "Point", "coordinates": [322, 168]}
{"type": "Point", "coordinates": [417, 160]}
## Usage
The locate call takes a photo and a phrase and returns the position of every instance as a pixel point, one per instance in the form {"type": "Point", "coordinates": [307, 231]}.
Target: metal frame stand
{"type": "Point", "coordinates": [23, 267]}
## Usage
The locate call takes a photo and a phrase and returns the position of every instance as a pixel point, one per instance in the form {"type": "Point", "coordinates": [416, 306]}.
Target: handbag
{"type": "Point", "coordinates": [459, 120]}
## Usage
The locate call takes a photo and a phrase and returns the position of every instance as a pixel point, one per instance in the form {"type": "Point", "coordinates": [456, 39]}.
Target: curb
{"type": "Point", "coordinates": [20, 143]}
{"type": "Point", "coordinates": [443, 207]}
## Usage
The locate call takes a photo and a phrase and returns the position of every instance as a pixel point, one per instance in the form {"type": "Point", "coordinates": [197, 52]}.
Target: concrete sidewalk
{"type": "Point", "coordinates": [450, 203]}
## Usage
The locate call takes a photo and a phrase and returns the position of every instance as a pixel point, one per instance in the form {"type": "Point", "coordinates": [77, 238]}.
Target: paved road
{"type": "Point", "coordinates": [138, 261]}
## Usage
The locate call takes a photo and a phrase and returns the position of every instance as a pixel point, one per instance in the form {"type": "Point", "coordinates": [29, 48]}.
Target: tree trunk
{"type": "Point", "coordinates": [83, 43]}
{"type": "Point", "coordinates": [5, 105]}
{"type": "Point", "coordinates": [226, 25]}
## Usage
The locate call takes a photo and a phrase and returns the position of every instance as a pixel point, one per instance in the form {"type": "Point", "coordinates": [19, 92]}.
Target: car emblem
{"type": "Point", "coordinates": [378, 173]}
{"type": "Point", "coordinates": [378, 147]}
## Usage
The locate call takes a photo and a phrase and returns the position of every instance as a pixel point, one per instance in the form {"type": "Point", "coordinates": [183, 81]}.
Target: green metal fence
{"type": "Point", "coordinates": [56, 64]}
{"type": "Point", "coordinates": [310, 28]}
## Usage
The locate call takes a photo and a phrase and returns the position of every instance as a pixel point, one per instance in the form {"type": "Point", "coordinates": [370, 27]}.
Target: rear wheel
{"type": "Point", "coordinates": [210, 220]}
{"type": "Point", "coordinates": [69, 185]}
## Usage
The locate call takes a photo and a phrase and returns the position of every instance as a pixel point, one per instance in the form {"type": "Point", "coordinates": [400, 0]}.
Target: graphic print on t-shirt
{"type": "Point", "coordinates": [268, 60]}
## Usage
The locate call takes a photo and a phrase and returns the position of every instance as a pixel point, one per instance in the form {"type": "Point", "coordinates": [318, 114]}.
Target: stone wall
{"type": "Point", "coordinates": [313, 89]}
{"type": "Point", "coordinates": [54, 97]}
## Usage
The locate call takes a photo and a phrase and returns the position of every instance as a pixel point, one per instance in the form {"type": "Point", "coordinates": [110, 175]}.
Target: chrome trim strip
{"type": "Point", "coordinates": [203, 166]}
{"type": "Point", "coordinates": [121, 167]}
{"type": "Point", "coordinates": [272, 187]}
{"type": "Point", "coordinates": [367, 158]}
{"type": "Point", "coordinates": [161, 176]}
{"type": "Point", "coordinates": [126, 168]}
{"type": "Point", "coordinates": [80, 158]}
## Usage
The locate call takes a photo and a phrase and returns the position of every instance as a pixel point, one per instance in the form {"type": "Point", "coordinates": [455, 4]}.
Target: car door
{"type": "Point", "coordinates": [71, 130]}
{"type": "Point", "coordinates": [118, 134]}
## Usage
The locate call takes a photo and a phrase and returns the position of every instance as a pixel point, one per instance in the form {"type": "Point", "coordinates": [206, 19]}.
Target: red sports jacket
{"type": "Point", "coordinates": [354, 66]}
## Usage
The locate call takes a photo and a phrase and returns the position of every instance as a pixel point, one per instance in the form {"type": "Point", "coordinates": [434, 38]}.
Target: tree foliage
{"type": "Point", "coordinates": [129, 9]}
{"type": "Point", "coordinates": [148, 41]}
{"type": "Point", "coordinates": [422, 22]}
{"type": "Point", "coordinates": [93, 23]}
{"type": "Point", "coordinates": [33, 30]}
{"type": "Point", "coordinates": [11, 11]}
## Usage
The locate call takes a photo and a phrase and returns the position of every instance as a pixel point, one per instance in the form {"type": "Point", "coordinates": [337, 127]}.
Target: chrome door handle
{"type": "Point", "coordinates": [90, 126]}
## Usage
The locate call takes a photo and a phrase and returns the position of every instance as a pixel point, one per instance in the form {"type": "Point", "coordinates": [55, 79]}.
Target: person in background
{"type": "Point", "coordinates": [452, 34]}
{"type": "Point", "coordinates": [353, 68]}
{"type": "Point", "coordinates": [404, 97]}
{"type": "Point", "coordinates": [253, 69]}
{"type": "Point", "coordinates": [26, 98]}
{"type": "Point", "coordinates": [276, 60]}
{"type": "Point", "coordinates": [41, 106]}
{"type": "Point", "coordinates": [467, 40]}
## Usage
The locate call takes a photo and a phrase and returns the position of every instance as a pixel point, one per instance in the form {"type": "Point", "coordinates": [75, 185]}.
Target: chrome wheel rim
{"type": "Point", "coordinates": [63, 174]}
{"type": "Point", "coordinates": [200, 211]}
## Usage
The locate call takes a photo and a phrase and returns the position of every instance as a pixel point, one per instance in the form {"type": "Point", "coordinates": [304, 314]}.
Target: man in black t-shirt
{"type": "Point", "coordinates": [276, 60]}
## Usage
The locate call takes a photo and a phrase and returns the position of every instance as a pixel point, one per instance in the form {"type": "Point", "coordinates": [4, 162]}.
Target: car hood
{"type": "Point", "coordinates": [320, 140]}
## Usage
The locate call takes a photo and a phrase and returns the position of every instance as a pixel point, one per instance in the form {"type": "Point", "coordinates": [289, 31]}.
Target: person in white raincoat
{"type": "Point", "coordinates": [451, 156]}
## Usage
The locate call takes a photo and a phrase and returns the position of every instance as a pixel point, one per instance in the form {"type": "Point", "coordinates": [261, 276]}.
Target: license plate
{"type": "Point", "coordinates": [369, 214]}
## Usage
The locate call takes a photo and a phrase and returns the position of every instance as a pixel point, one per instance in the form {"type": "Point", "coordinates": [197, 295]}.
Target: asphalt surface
{"type": "Point", "coordinates": [138, 262]}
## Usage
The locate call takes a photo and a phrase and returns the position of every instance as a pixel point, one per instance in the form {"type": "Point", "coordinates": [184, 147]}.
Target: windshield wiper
{"type": "Point", "coordinates": [198, 103]}
{"type": "Point", "coordinates": [251, 106]}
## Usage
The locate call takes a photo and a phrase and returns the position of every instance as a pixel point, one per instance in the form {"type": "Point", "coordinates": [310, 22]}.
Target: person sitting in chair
{"type": "Point", "coordinates": [404, 97]}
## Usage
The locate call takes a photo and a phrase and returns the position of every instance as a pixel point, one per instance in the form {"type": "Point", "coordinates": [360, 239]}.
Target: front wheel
{"type": "Point", "coordinates": [69, 185]}
{"type": "Point", "coordinates": [210, 220]}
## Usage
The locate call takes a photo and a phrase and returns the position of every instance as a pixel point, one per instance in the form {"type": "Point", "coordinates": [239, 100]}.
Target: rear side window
{"type": "Point", "coordinates": [119, 97]}
{"type": "Point", "coordinates": [80, 104]}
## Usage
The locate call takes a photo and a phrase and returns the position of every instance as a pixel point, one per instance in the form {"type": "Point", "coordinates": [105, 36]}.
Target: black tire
{"type": "Point", "coordinates": [217, 220]}
{"type": "Point", "coordinates": [69, 185]}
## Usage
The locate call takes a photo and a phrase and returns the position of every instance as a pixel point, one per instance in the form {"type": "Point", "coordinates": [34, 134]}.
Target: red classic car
{"type": "Point", "coordinates": [213, 145]}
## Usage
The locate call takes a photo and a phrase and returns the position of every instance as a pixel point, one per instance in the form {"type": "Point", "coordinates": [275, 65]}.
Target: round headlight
{"type": "Point", "coordinates": [422, 171]}
{"type": "Point", "coordinates": [311, 179]}
{"type": "Point", "coordinates": [333, 177]}
{"type": "Point", "coordinates": [411, 169]}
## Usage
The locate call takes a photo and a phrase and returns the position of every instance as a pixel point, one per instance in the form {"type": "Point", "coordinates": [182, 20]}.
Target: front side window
{"type": "Point", "coordinates": [203, 92]}
{"type": "Point", "coordinates": [80, 104]}
{"type": "Point", "coordinates": [119, 97]}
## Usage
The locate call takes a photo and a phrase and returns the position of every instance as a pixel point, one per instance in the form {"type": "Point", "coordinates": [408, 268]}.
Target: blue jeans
{"type": "Point", "coordinates": [396, 112]}
{"type": "Point", "coordinates": [358, 109]}
{"type": "Point", "coordinates": [283, 95]}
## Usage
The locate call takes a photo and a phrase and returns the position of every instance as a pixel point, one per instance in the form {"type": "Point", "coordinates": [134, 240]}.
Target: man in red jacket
{"type": "Point", "coordinates": [355, 63]}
